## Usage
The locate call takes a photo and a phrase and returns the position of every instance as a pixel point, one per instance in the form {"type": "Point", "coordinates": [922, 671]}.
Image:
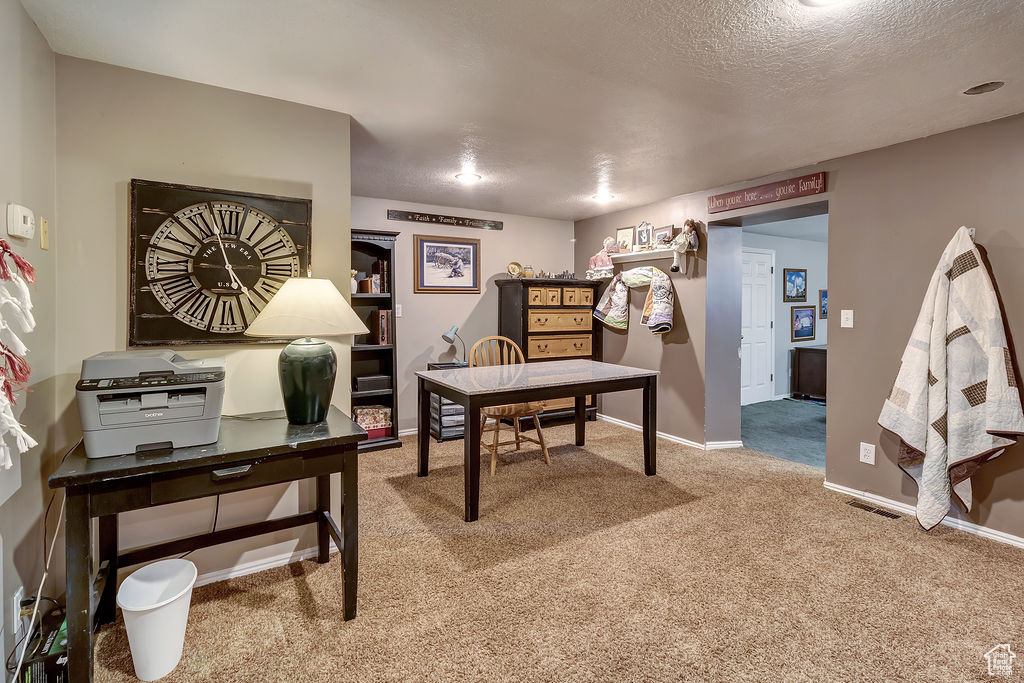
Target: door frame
{"type": "Point", "coordinates": [771, 319]}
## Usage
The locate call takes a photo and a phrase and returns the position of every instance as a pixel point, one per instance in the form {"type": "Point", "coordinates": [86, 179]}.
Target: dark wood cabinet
{"type": "Point", "coordinates": [809, 365]}
{"type": "Point", "coordinates": [551, 319]}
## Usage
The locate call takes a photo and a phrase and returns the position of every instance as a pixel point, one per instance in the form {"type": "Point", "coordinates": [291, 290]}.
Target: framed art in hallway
{"type": "Point", "coordinates": [801, 323]}
{"type": "Point", "coordinates": [446, 265]}
{"type": "Point", "coordinates": [794, 284]}
{"type": "Point", "coordinates": [624, 237]}
{"type": "Point", "coordinates": [823, 304]}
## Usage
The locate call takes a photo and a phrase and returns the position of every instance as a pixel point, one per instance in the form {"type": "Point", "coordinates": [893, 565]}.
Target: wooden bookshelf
{"type": "Point", "coordinates": [369, 357]}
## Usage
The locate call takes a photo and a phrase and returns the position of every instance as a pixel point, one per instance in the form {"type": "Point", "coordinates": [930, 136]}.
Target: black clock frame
{"type": "Point", "coordinates": [151, 203]}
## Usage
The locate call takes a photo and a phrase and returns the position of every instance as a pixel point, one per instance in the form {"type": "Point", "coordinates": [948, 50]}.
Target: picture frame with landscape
{"type": "Point", "coordinates": [794, 285]}
{"type": "Point", "coordinates": [446, 265]}
{"type": "Point", "coordinates": [801, 323]}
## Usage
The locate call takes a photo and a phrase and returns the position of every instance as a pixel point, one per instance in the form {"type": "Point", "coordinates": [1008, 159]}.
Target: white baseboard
{"type": "Point", "coordinates": [779, 397]}
{"type": "Point", "coordinates": [661, 435]}
{"type": "Point", "coordinates": [407, 432]}
{"type": "Point", "coordinates": [722, 445]}
{"type": "Point", "coordinates": [910, 510]}
{"type": "Point", "coordinates": [258, 565]}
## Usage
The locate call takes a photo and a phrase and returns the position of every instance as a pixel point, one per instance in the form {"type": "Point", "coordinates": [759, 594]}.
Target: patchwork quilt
{"type": "Point", "coordinates": [613, 308]}
{"type": "Point", "coordinates": [955, 404]}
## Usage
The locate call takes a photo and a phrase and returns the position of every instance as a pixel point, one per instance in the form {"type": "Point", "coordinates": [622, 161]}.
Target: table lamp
{"type": "Point", "coordinates": [451, 335]}
{"type": "Point", "coordinates": [307, 308]}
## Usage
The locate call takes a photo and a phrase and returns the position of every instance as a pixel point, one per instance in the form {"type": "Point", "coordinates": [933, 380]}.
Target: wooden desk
{"type": "Point", "coordinates": [253, 450]}
{"type": "Point", "coordinates": [476, 388]}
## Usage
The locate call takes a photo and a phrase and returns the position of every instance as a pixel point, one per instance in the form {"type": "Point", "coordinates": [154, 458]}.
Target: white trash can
{"type": "Point", "coordinates": [155, 601]}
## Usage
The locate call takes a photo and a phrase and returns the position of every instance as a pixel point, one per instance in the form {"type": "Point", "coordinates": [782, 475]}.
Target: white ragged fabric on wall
{"type": "Point", "coordinates": [15, 311]}
{"type": "Point", "coordinates": [955, 404]}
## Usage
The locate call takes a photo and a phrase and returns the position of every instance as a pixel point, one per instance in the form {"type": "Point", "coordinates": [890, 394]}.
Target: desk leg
{"type": "Point", "coordinates": [107, 609]}
{"type": "Point", "coordinates": [581, 420]}
{"type": "Point", "coordinates": [78, 547]}
{"type": "Point", "coordinates": [651, 427]}
{"type": "Point", "coordinates": [350, 530]}
{"type": "Point", "coordinates": [471, 436]}
{"type": "Point", "coordinates": [323, 508]}
{"type": "Point", "coordinates": [423, 429]}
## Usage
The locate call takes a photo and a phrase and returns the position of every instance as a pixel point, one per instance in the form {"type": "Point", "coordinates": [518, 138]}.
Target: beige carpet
{"type": "Point", "coordinates": [727, 566]}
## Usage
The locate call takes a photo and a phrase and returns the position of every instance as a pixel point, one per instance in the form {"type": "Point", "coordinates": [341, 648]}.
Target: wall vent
{"type": "Point", "coordinates": [877, 511]}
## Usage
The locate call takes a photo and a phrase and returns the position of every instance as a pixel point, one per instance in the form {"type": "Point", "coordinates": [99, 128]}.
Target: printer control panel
{"type": "Point", "coordinates": [148, 381]}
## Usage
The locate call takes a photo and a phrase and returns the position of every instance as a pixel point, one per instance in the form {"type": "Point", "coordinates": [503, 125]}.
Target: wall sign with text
{"type": "Point", "coordinates": [454, 221]}
{"type": "Point", "coordinates": [769, 192]}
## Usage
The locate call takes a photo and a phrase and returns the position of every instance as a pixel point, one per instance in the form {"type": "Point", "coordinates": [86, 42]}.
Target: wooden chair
{"type": "Point", "coordinates": [503, 351]}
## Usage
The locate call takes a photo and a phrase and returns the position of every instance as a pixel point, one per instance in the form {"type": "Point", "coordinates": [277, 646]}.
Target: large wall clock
{"type": "Point", "coordinates": [205, 262]}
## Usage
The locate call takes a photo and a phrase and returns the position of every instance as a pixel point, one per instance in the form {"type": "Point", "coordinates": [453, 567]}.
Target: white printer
{"type": "Point", "coordinates": [132, 401]}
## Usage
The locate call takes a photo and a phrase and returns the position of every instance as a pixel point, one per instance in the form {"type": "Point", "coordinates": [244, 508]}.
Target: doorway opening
{"type": "Point", "coordinates": [781, 276]}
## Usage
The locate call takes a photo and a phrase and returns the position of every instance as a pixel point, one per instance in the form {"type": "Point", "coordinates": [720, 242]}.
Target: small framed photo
{"type": "Point", "coordinates": [644, 235]}
{"type": "Point", "coordinates": [665, 233]}
{"type": "Point", "coordinates": [624, 236]}
{"type": "Point", "coordinates": [801, 323]}
{"type": "Point", "coordinates": [823, 304]}
{"type": "Point", "coordinates": [446, 265]}
{"type": "Point", "coordinates": [794, 284]}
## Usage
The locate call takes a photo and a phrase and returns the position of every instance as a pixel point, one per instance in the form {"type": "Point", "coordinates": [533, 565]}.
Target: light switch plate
{"type": "Point", "coordinates": [398, 310]}
{"type": "Point", "coordinates": [21, 222]}
{"type": "Point", "coordinates": [44, 233]}
{"type": "Point", "coordinates": [846, 318]}
{"type": "Point", "coordinates": [867, 453]}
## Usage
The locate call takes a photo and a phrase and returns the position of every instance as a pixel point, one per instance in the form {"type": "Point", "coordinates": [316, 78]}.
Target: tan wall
{"type": "Point", "coordinates": [540, 242]}
{"type": "Point", "coordinates": [27, 177]}
{"type": "Point", "coordinates": [116, 124]}
{"type": "Point", "coordinates": [891, 213]}
{"type": "Point", "coordinates": [681, 389]}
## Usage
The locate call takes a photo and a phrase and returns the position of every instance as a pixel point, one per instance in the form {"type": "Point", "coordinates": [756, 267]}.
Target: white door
{"type": "Point", "coordinates": [757, 350]}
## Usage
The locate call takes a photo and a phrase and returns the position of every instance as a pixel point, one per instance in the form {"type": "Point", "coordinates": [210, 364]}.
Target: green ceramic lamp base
{"type": "Point", "coordinates": [307, 368]}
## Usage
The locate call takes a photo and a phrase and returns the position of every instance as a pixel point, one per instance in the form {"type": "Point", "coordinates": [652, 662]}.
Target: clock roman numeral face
{"type": "Point", "coordinates": [215, 265]}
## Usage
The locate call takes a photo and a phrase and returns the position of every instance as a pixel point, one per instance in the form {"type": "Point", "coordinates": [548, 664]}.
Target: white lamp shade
{"type": "Point", "coordinates": [306, 307]}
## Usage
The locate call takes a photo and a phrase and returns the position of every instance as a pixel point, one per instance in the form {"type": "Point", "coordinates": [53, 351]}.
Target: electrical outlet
{"type": "Point", "coordinates": [16, 599]}
{"type": "Point", "coordinates": [867, 453]}
{"type": "Point", "coordinates": [846, 318]}
{"type": "Point", "coordinates": [398, 310]}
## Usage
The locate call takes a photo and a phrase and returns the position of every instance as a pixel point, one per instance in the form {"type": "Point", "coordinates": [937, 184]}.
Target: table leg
{"type": "Point", "coordinates": [350, 530]}
{"type": "Point", "coordinates": [423, 428]}
{"type": "Point", "coordinates": [651, 427]}
{"type": "Point", "coordinates": [471, 436]}
{"type": "Point", "coordinates": [323, 508]}
{"type": "Point", "coordinates": [78, 558]}
{"type": "Point", "coordinates": [581, 420]}
{"type": "Point", "coordinates": [107, 609]}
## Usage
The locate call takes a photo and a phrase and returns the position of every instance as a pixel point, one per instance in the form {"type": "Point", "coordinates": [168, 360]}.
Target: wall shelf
{"type": "Point", "coordinates": [649, 255]}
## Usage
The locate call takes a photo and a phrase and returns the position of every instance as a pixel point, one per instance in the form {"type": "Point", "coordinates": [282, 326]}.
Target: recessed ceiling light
{"type": "Point", "coordinates": [819, 3]}
{"type": "Point", "coordinates": [983, 88]}
{"type": "Point", "coordinates": [602, 197]}
{"type": "Point", "coordinates": [467, 178]}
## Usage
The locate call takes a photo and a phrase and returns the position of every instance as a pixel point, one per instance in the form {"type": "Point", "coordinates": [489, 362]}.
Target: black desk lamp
{"type": "Point", "coordinates": [451, 335]}
{"type": "Point", "coordinates": [307, 308]}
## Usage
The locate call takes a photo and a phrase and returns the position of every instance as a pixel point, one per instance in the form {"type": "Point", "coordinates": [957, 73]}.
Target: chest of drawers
{"type": "Point", "coordinates": [551, 319]}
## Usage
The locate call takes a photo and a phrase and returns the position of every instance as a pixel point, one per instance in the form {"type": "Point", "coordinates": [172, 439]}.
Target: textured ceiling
{"type": "Point", "coordinates": [813, 228]}
{"type": "Point", "coordinates": [552, 101]}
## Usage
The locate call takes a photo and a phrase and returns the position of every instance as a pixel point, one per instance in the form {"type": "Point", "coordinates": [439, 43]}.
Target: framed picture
{"type": "Point", "coordinates": [204, 262]}
{"type": "Point", "coordinates": [644, 235]}
{"type": "Point", "coordinates": [624, 236]}
{"type": "Point", "coordinates": [665, 231]}
{"type": "Point", "coordinates": [823, 304]}
{"type": "Point", "coordinates": [446, 265]}
{"type": "Point", "coordinates": [801, 323]}
{"type": "Point", "coordinates": [794, 284]}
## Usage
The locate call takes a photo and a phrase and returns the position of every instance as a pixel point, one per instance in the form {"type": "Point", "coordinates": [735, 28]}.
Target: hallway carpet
{"type": "Point", "coordinates": [726, 566]}
{"type": "Point", "coordinates": [788, 429]}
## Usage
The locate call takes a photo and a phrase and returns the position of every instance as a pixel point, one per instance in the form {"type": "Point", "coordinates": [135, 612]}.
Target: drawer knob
{"type": "Point", "coordinates": [231, 472]}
